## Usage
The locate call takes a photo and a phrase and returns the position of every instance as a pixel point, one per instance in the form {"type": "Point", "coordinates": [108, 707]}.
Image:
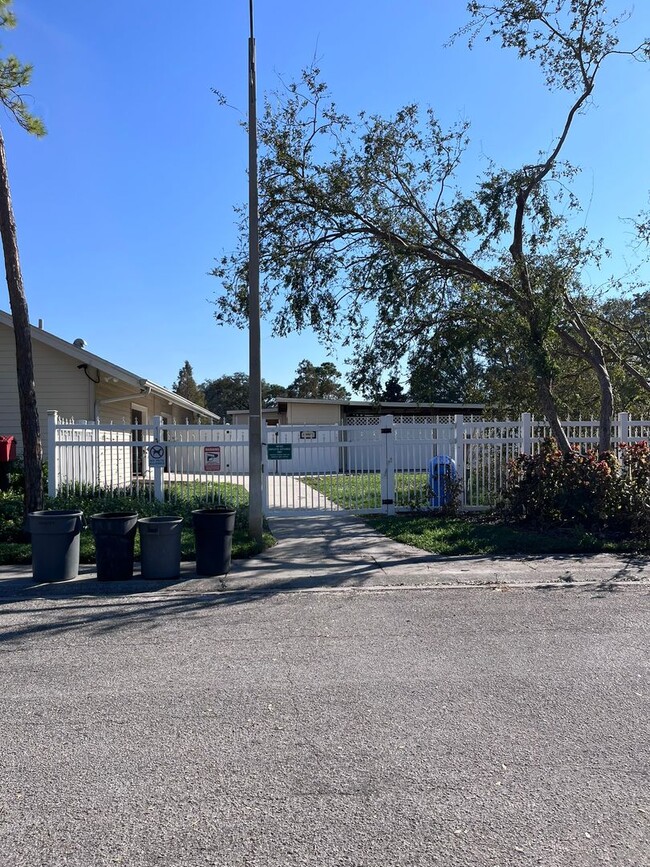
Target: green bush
{"type": "Point", "coordinates": [582, 487]}
{"type": "Point", "coordinates": [11, 517]}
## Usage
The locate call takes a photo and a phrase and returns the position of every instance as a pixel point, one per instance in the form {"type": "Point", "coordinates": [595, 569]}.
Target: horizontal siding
{"type": "Point", "coordinates": [60, 385]}
{"type": "Point", "coordinates": [9, 412]}
{"type": "Point", "coordinates": [301, 413]}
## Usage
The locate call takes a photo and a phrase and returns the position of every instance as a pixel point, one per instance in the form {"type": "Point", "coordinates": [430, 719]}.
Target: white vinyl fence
{"type": "Point", "coordinates": [380, 466]}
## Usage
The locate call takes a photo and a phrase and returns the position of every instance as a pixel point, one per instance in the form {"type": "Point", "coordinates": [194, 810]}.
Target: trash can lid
{"type": "Point", "coordinates": [56, 513]}
{"type": "Point", "coordinates": [116, 515]}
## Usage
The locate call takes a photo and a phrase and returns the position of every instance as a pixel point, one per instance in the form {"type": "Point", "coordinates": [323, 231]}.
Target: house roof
{"type": "Point", "coordinates": [110, 369]}
{"type": "Point", "coordinates": [403, 407]}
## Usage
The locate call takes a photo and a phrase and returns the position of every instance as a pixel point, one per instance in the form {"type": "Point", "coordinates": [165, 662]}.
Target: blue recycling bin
{"type": "Point", "coordinates": [442, 469]}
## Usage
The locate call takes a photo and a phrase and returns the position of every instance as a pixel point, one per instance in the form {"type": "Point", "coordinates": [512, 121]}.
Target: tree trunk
{"type": "Point", "coordinates": [547, 403]}
{"type": "Point", "coordinates": [606, 409]}
{"type": "Point", "coordinates": [592, 352]}
{"type": "Point", "coordinates": [29, 423]}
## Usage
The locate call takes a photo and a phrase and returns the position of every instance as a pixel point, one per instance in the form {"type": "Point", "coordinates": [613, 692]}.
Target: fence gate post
{"type": "Point", "coordinates": [52, 453]}
{"type": "Point", "coordinates": [158, 485]}
{"type": "Point", "coordinates": [459, 456]}
{"type": "Point", "coordinates": [265, 468]}
{"type": "Point", "coordinates": [623, 427]}
{"type": "Point", "coordinates": [526, 431]}
{"type": "Point", "coordinates": [388, 464]}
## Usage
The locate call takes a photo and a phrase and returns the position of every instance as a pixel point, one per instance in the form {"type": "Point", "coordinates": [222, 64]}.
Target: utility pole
{"type": "Point", "coordinates": [254, 336]}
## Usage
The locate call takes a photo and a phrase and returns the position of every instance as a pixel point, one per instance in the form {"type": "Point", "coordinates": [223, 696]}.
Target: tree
{"type": "Point", "coordinates": [186, 385]}
{"type": "Point", "coordinates": [368, 232]}
{"type": "Point", "coordinates": [393, 391]}
{"type": "Point", "coordinates": [320, 381]}
{"type": "Point", "coordinates": [14, 77]}
{"type": "Point", "coordinates": [627, 325]}
{"type": "Point", "coordinates": [230, 391]}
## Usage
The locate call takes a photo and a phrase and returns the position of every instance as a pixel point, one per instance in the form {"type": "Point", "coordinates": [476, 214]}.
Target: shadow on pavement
{"type": "Point", "coordinates": [327, 554]}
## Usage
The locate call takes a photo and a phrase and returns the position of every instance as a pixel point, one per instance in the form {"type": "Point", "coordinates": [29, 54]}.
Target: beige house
{"type": "Point", "coordinates": [83, 386]}
{"type": "Point", "coordinates": [295, 410]}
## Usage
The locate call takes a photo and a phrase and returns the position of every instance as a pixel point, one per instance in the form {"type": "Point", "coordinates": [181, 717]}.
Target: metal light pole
{"type": "Point", "coordinates": [254, 341]}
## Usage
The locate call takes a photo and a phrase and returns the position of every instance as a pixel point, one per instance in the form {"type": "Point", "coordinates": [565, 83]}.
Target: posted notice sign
{"type": "Point", "coordinates": [211, 459]}
{"type": "Point", "coordinates": [157, 455]}
{"type": "Point", "coordinates": [278, 451]}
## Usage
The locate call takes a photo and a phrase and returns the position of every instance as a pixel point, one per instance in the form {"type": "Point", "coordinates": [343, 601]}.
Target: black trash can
{"type": "Point", "coordinates": [213, 529]}
{"type": "Point", "coordinates": [114, 534]}
{"type": "Point", "coordinates": [160, 547]}
{"type": "Point", "coordinates": [55, 543]}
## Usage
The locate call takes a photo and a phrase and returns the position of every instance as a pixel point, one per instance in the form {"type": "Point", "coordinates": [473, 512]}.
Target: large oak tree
{"type": "Point", "coordinates": [367, 231]}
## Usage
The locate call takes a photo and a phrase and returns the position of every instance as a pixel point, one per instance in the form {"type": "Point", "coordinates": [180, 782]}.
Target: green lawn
{"type": "Point", "coordinates": [357, 491]}
{"type": "Point", "coordinates": [482, 535]}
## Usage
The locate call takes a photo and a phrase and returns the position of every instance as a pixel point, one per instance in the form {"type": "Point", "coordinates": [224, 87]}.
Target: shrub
{"type": "Point", "coordinates": [582, 487]}
{"type": "Point", "coordinates": [11, 517]}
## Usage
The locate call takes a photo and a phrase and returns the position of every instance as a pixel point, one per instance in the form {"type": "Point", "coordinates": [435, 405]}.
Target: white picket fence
{"type": "Point", "coordinates": [380, 466]}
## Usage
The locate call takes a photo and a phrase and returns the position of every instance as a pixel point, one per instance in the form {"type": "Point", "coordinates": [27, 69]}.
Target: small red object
{"type": "Point", "coordinates": [7, 449]}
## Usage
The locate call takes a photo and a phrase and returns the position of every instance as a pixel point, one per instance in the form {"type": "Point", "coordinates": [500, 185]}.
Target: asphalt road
{"type": "Point", "coordinates": [353, 727]}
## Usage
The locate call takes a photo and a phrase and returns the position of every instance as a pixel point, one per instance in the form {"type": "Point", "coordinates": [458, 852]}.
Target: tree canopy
{"type": "Point", "coordinates": [320, 381]}
{"type": "Point", "coordinates": [367, 230]}
{"type": "Point", "coordinates": [186, 385]}
{"type": "Point", "coordinates": [230, 391]}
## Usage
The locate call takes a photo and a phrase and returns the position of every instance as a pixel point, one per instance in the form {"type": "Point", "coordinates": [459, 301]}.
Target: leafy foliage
{"type": "Point", "coordinates": [585, 488]}
{"type": "Point", "coordinates": [367, 231]}
{"type": "Point", "coordinates": [393, 391]}
{"type": "Point", "coordinates": [318, 381]}
{"type": "Point", "coordinates": [230, 391]}
{"type": "Point", "coordinates": [14, 77]}
{"type": "Point", "coordinates": [186, 385]}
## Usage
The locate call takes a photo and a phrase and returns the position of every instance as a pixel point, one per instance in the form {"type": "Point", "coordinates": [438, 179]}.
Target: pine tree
{"type": "Point", "coordinates": [14, 77]}
{"type": "Point", "coordinates": [186, 385]}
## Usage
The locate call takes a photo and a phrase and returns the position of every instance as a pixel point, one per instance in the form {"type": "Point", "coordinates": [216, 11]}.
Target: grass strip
{"type": "Point", "coordinates": [482, 536]}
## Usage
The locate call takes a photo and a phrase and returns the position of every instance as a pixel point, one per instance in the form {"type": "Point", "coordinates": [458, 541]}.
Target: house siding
{"type": "Point", "coordinates": [305, 413]}
{"type": "Point", "coordinates": [60, 385]}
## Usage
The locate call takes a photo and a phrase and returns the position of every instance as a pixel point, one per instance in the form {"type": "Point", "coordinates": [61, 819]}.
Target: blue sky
{"type": "Point", "coordinates": [122, 208]}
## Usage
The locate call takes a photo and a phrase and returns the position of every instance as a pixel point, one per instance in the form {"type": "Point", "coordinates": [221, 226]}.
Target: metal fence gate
{"type": "Point", "coordinates": [376, 467]}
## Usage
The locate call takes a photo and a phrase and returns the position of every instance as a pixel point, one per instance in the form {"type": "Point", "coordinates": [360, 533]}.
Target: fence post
{"type": "Point", "coordinates": [459, 455]}
{"type": "Point", "coordinates": [388, 468]}
{"type": "Point", "coordinates": [623, 427]}
{"type": "Point", "coordinates": [158, 486]}
{"type": "Point", "coordinates": [52, 453]}
{"type": "Point", "coordinates": [526, 431]}
{"type": "Point", "coordinates": [265, 468]}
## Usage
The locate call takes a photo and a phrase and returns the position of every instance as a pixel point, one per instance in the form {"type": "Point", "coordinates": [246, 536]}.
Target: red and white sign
{"type": "Point", "coordinates": [211, 459]}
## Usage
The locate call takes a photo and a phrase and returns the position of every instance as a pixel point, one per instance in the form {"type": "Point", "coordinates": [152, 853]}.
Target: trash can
{"type": "Point", "coordinates": [442, 470]}
{"type": "Point", "coordinates": [114, 534]}
{"type": "Point", "coordinates": [160, 547]}
{"type": "Point", "coordinates": [213, 529]}
{"type": "Point", "coordinates": [55, 543]}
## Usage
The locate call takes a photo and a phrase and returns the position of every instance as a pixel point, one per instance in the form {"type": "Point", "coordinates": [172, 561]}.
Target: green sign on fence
{"type": "Point", "coordinates": [279, 451]}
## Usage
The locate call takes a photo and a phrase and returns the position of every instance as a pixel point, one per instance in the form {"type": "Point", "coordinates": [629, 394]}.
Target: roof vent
{"type": "Point", "coordinates": [79, 343]}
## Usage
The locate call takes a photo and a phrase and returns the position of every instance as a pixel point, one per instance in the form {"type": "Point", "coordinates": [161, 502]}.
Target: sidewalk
{"type": "Point", "coordinates": [326, 552]}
